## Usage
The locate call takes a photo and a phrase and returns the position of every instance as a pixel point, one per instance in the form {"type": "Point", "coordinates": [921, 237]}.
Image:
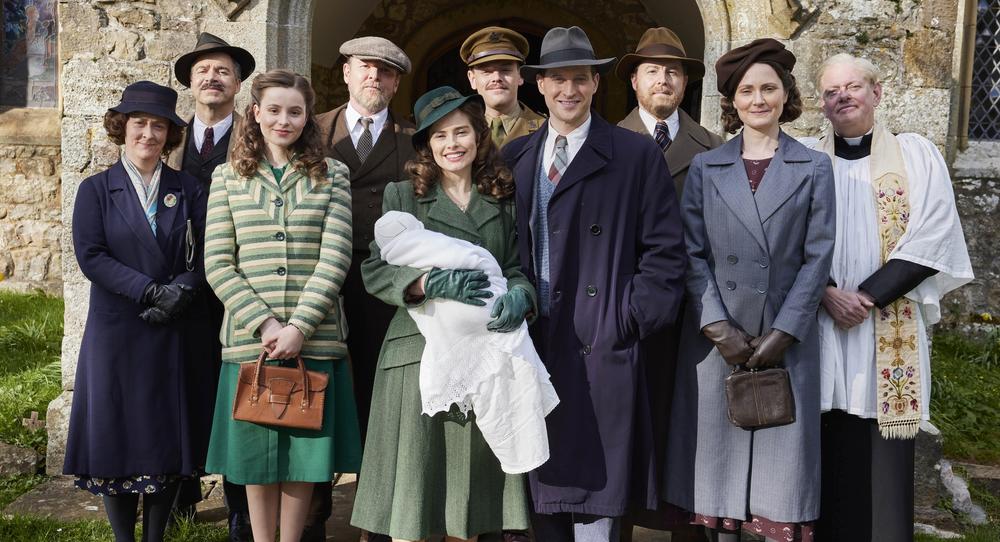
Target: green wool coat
{"type": "Point", "coordinates": [421, 475]}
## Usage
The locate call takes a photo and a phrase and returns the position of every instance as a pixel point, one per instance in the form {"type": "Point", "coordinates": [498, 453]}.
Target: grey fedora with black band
{"type": "Point", "coordinates": [563, 47]}
{"type": "Point", "coordinates": [209, 43]}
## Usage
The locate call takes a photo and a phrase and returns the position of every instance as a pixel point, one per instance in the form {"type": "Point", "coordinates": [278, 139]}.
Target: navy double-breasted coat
{"type": "Point", "coordinates": [616, 260]}
{"type": "Point", "coordinates": [140, 404]}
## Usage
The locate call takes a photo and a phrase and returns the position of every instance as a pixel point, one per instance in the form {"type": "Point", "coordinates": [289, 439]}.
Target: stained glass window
{"type": "Point", "coordinates": [28, 54]}
{"type": "Point", "coordinates": [984, 106]}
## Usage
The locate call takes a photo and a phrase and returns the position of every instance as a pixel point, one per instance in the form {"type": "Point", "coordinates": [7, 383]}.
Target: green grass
{"type": "Point", "coordinates": [965, 395]}
{"type": "Point", "coordinates": [29, 529]}
{"type": "Point", "coordinates": [12, 487]}
{"type": "Point", "coordinates": [30, 339]}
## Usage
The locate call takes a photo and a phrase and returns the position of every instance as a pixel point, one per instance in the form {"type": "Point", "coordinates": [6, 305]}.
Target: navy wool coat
{"type": "Point", "coordinates": [143, 400]}
{"type": "Point", "coordinates": [616, 261]}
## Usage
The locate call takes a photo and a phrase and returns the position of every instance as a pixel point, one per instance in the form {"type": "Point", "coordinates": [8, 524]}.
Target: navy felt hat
{"type": "Point", "coordinates": [148, 97]}
{"type": "Point", "coordinates": [435, 105]}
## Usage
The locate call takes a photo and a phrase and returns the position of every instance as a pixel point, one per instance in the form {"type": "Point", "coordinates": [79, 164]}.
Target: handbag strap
{"type": "Point", "coordinates": [255, 393]}
{"type": "Point", "coordinates": [305, 381]}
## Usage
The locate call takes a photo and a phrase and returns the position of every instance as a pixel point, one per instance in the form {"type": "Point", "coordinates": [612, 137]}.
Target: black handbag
{"type": "Point", "coordinates": [760, 398]}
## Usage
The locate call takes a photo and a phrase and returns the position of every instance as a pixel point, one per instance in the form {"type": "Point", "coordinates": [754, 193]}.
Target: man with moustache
{"type": "Point", "coordinates": [899, 249]}
{"type": "Point", "coordinates": [375, 145]}
{"type": "Point", "coordinates": [659, 71]}
{"type": "Point", "coordinates": [213, 71]}
{"type": "Point", "coordinates": [600, 237]}
{"type": "Point", "coordinates": [494, 56]}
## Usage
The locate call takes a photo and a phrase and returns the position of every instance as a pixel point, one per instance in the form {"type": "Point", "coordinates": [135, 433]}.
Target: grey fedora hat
{"type": "Point", "coordinates": [566, 47]}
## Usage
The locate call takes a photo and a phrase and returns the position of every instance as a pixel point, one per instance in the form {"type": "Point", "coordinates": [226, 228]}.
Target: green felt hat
{"type": "Point", "coordinates": [434, 106]}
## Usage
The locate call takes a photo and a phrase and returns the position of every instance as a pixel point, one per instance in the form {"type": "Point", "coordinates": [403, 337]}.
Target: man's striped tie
{"type": "Point", "coordinates": [662, 135]}
{"type": "Point", "coordinates": [365, 143]}
{"type": "Point", "coordinates": [558, 160]}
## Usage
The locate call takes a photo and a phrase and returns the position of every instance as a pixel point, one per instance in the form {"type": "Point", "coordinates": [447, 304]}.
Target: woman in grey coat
{"type": "Point", "coordinates": [759, 220]}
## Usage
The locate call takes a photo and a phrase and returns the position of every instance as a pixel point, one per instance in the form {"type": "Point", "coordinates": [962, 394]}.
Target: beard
{"type": "Point", "coordinates": [373, 99]}
{"type": "Point", "coordinates": [660, 105]}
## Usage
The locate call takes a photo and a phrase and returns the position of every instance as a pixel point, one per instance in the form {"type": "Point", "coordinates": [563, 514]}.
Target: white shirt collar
{"type": "Point", "coordinates": [351, 117]}
{"type": "Point", "coordinates": [574, 142]}
{"type": "Point", "coordinates": [649, 121]}
{"type": "Point", "coordinates": [219, 130]}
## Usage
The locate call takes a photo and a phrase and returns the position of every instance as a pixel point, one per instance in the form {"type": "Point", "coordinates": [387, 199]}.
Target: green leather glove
{"type": "Point", "coordinates": [510, 310]}
{"type": "Point", "coordinates": [465, 285]}
{"type": "Point", "coordinates": [769, 349]}
{"type": "Point", "coordinates": [733, 343]}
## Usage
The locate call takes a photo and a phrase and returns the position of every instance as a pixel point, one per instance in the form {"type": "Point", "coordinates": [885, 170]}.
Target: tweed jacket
{"type": "Point", "coordinates": [489, 223]}
{"type": "Point", "coordinates": [281, 249]}
{"type": "Point", "coordinates": [526, 124]}
{"type": "Point", "coordinates": [176, 157]}
{"type": "Point", "coordinates": [691, 139]}
{"type": "Point", "coordinates": [386, 163]}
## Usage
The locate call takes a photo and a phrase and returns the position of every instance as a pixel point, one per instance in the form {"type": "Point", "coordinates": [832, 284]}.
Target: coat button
{"type": "Point", "coordinates": [370, 205]}
{"type": "Point", "coordinates": [278, 202]}
{"type": "Point", "coordinates": [281, 271]}
{"type": "Point", "coordinates": [763, 262]}
{"type": "Point", "coordinates": [595, 229]}
{"type": "Point", "coordinates": [374, 190]}
{"type": "Point", "coordinates": [279, 236]}
{"type": "Point", "coordinates": [732, 259]}
{"type": "Point", "coordinates": [477, 243]}
{"type": "Point", "coordinates": [591, 290]}
{"type": "Point", "coordinates": [730, 285]}
{"type": "Point", "coordinates": [762, 288]}
{"type": "Point", "coordinates": [557, 293]}
{"type": "Point", "coordinates": [586, 350]}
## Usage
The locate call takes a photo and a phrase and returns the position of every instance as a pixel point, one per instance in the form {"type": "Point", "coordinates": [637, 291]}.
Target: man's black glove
{"type": "Point", "coordinates": [465, 285]}
{"type": "Point", "coordinates": [733, 343]}
{"type": "Point", "coordinates": [769, 349]}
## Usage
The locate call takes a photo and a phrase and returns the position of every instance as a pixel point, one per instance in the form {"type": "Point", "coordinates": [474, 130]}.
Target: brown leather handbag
{"type": "Point", "coordinates": [760, 398]}
{"type": "Point", "coordinates": [280, 396]}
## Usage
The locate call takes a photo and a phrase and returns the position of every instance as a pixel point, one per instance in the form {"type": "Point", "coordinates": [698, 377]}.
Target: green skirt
{"type": "Point", "coordinates": [248, 453]}
{"type": "Point", "coordinates": [423, 476]}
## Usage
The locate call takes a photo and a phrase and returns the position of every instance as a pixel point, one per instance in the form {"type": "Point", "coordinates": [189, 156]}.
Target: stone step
{"type": "Point", "coordinates": [985, 476]}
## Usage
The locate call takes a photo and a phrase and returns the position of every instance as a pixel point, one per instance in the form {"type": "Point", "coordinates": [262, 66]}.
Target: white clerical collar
{"type": "Point", "coordinates": [856, 141]}
{"type": "Point", "coordinates": [649, 121]}
{"type": "Point", "coordinates": [219, 129]}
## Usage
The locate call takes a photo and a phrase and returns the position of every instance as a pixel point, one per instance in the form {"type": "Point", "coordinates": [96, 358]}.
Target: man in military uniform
{"type": "Point", "coordinates": [494, 56]}
{"type": "Point", "coordinates": [375, 145]}
{"type": "Point", "coordinates": [659, 70]}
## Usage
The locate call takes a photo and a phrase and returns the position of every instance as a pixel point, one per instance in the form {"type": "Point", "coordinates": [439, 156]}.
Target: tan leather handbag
{"type": "Point", "coordinates": [760, 398]}
{"type": "Point", "coordinates": [280, 396]}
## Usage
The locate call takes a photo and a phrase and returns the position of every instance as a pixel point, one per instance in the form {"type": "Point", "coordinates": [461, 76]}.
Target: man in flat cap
{"type": "Point", "coordinates": [600, 237]}
{"type": "Point", "coordinates": [375, 145]}
{"type": "Point", "coordinates": [659, 71]}
{"type": "Point", "coordinates": [494, 56]}
{"type": "Point", "coordinates": [213, 71]}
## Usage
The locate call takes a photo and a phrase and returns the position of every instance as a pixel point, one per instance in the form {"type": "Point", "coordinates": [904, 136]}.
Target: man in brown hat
{"type": "Point", "coordinates": [494, 56]}
{"type": "Point", "coordinates": [375, 145]}
{"type": "Point", "coordinates": [659, 71]}
{"type": "Point", "coordinates": [213, 71]}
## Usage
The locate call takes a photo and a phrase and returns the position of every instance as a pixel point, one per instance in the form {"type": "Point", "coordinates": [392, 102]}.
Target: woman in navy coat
{"type": "Point", "coordinates": [141, 410]}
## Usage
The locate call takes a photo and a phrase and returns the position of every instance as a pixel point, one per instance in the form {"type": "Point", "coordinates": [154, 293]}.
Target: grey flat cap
{"type": "Point", "coordinates": [376, 48]}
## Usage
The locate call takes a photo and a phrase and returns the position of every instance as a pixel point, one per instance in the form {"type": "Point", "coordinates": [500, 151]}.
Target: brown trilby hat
{"type": "Point", "coordinates": [660, 44]}
{"type": "Point", "coordinates": [494, 43]}
{"type": "Point", "coordinates": [376, 48]}
{"type": "Point", "coordinates": [730, 67]}
{"type": "Point", "coordinates": [208, 43]}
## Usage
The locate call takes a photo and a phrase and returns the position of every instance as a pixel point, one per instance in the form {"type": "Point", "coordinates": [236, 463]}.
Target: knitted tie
{"type": "Point", "coordinates": [208, 144]}
{"type": "Point", "coordinates": [558, 160]}
{"type": "Point", "coordinates": [497, 131]}
{"type": "Point", "coordinates": [662, 135]}
{"type": "Point", "coordinates": [365, 141]}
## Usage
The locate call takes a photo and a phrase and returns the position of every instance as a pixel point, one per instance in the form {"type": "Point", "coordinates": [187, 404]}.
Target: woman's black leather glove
{"type": "Point", "coordinates": [733, 343]}
{"type": "Point", "coordinates": [465, 285]}
{"type": "Point", "coordinates": [165, 302]}
{"type": "Point", "coordinates": [769, 349]}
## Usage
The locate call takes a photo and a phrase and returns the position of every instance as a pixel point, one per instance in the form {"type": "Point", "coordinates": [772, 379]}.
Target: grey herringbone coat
{"type": "Point", "coordinates": [760, 260]}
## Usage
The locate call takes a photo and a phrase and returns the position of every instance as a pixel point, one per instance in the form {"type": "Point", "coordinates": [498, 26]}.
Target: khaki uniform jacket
{"type": "Point", "coordinates": [692, 139]}
{"type": "Point", "coordinates": [384, 164]}
{"type": "Point", "coordinates": [279, 249]}
{"type": "Point", "coordinates": [176, 157]}
{"type": "Point", "coordinates": [528, 123]}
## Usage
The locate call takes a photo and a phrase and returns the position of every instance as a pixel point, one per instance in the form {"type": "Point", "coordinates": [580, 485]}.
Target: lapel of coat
{"type": "Point", "coordinates": [176, 157]}
{"type": "Point", "coordinates": [234, 132]}
{"type": "Point", "coordinates": [296, 187]}
{"type": "Point", "coordinates": [634, 122]}
{"type": "Point", "coordinates": [263, 189]}
{"type": "Point", "coordinates": [690, 140]}
{"type": "Point", "coordinates": [526, 168]}
{"type": "Point", "coordinates": [482, 209]}
{"type": "Point", "coordinates": [341, 147]}
{"type": "Point", "coordinates": [443, 210]}
{"type": "Point", "coordinates": [384, 147]}
{"type": "Point", "coordinates": [730, 179]}
{"type": "Point", "coordinates": [170, 183]}
{"type": "Point", "coordinates": [595, 153]}
{"type": "Point", "coordinates": [783, 177]}
{"type": "Point", "coordinates": [127, 203]}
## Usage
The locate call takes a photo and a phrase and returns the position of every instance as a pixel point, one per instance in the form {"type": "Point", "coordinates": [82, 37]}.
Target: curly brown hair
{"type": "Point", "coordinates": [489, 173]}
{"type": "Point", "coordinates": [308, 154]}
{"type": "Point", "coordinates": [114, 125]}
{"type": "Point", "coordinates": [793, 105]}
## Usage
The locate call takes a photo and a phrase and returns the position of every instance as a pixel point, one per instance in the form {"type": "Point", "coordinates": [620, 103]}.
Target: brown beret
{"type": "Point", "coordinates": [730, 67]}
{"type": "Point", "coordinates": [494, 43]}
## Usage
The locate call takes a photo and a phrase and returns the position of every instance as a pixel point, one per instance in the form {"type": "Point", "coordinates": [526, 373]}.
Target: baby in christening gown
{"type": "Point", "coordinates": [497, 375]}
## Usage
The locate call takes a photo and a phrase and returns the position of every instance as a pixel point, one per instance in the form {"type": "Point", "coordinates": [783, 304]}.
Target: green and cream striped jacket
{"type": "Point", "coordinates": [279, 248]}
